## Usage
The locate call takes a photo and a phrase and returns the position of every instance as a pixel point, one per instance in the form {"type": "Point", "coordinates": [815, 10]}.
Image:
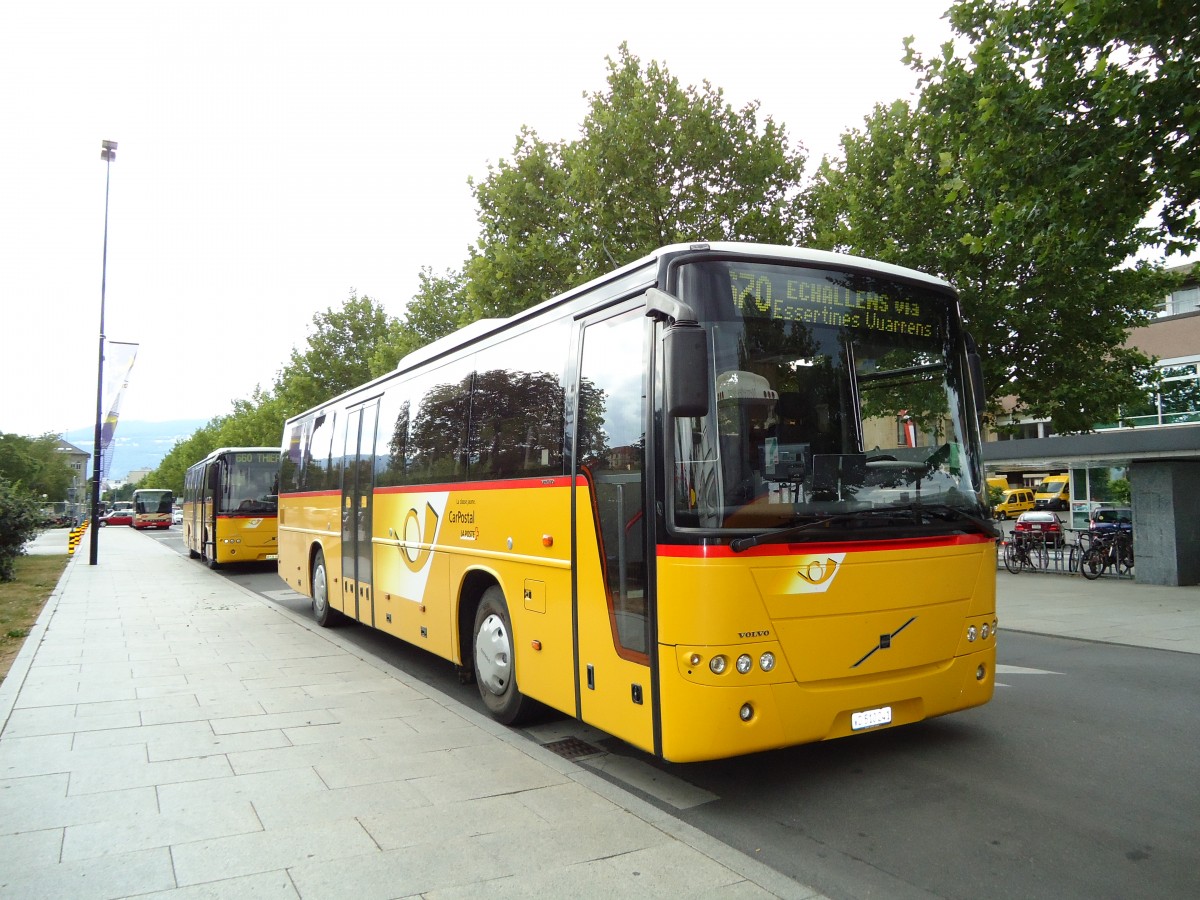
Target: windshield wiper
{"type": "Point", "coordinates": [737, 545]}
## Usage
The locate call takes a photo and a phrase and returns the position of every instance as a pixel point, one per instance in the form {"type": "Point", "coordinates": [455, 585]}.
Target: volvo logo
{"type": "Point", "coordinates": [885, 642]}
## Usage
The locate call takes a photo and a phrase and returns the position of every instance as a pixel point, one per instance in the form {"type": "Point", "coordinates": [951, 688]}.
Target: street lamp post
{"type": "Point", "coordinates": [108, 152]}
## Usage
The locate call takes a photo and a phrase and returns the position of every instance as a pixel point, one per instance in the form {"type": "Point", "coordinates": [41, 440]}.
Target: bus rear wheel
{"type": "Point", "coordinates": [325, 615]}
{"type": "Point", "coordinates": [495, 665]}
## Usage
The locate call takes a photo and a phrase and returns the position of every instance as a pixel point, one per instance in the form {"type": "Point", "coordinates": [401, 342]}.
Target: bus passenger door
{"type": "Point", "coordinates": [357, 504]}
{"type": "Point", "coordinates": [614, 609]}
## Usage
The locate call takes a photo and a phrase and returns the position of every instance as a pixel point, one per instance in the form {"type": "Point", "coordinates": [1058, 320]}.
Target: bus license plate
{"type": "Point", "coordinates": [870, 718]}
{"type": "Point", "coordinates": [271, 556]}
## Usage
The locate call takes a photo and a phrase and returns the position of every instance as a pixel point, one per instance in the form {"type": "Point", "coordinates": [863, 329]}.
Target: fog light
{"type": "Point", "coordinates": [971, 634]}
{"type": "Point", "coordinates": [744, 663]}
{"type": "Point", "coordinates": [717, 664]}
{"type": "Point", "coordinates": [766, 662]}
{"type": "Point", "coordinates": [746, 713]}
{"type": "Point", "coordinates": [981, 672]}
{"type": "Point", "coordinates": [694, 659]}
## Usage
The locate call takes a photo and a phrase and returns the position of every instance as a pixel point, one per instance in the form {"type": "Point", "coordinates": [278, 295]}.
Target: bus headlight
{"type": "Point", "coordinates": [766, 662]}
{"type": "Point", "coordinates": [744, 663]}
{"type": "Point", "coordinates": [971, 634]}
{"type": "Point", "coordinates": [717, 664]}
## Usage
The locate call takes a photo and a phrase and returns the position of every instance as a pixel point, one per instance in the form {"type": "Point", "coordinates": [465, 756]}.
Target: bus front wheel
{"type": "Point", "coordinates": [325, 615]}
{"type": "Point", "coordinates": [495, 666]}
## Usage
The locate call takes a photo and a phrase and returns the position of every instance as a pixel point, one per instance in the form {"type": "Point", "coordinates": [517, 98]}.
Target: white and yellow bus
{"type": "Point", "coordinates": [152, 508]}
{"type": "Point", "coordinates": [230, 506]}
{"type": "Point", "coordinates": [725, 499]}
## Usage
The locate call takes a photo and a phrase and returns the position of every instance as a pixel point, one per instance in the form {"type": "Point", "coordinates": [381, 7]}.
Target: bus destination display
{"type": "Point", "coordinates": [791, 297]}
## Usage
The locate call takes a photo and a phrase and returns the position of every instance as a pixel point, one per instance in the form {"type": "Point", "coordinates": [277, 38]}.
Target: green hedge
{"type": "Point", "coordinates": [19, 517]}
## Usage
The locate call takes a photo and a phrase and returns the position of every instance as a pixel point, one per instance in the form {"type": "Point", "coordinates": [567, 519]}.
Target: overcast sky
{"type": "Point", "coordinates": [273, 157]}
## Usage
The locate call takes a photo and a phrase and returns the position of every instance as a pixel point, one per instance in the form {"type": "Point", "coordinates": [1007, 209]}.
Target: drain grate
{"type": "Point", "coordinates": [573, 748]}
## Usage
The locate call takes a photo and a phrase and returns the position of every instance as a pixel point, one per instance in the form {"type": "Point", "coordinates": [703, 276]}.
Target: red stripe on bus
{"type": "Point", "coordinates": [695, 551]}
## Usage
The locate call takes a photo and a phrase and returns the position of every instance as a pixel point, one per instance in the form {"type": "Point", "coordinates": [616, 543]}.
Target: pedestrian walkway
{"type": "Point", "coordinates": [1116, 611]}
{"type": "Point", "coordinates": [168, 734]}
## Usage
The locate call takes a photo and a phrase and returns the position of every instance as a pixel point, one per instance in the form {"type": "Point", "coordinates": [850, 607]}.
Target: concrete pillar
{"type": "Point", "coordinates": [1166, 521]}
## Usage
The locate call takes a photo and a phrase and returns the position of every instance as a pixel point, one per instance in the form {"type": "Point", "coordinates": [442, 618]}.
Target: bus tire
{"type": "Point", "coordinates": [495, 662]}
{"type": "Point", "coordinates": [326, 615]}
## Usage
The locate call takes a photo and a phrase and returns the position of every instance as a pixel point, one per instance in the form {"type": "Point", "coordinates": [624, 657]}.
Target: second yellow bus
{"type": "Point", "coordinates": [230, 506]}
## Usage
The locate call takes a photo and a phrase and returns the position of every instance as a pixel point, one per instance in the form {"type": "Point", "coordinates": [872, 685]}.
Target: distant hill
{"type": "Point", "coordinates": [137, 445]}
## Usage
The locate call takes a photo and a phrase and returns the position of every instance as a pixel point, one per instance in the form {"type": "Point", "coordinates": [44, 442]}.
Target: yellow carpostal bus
{"type": "Point", "coordinates": [152, 508]}
{"type": "Point", "coordinates": [230, 501]}
{"type": "Point", "coordinates": [727, 498]}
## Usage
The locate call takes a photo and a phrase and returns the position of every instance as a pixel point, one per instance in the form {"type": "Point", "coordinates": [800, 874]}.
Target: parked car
{"type": "Point", "coordinates": [1015, 502]}
{"type": "Point", "coordinates": [1110, 519]}
{"type": "Point", "coordinates": [1040, 523]}
{"type": "Point", "coordinates": [118, 517]}
{"type": "Point", "coordinates": [1053, 493]}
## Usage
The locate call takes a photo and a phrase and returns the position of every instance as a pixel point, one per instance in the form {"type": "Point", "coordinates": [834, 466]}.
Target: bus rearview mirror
{"type": "Point", "coordinates": [685, 354]}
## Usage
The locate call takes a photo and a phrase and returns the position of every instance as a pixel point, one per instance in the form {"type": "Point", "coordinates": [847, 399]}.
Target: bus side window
{"type": "Point", "coordinates": [517, 406]}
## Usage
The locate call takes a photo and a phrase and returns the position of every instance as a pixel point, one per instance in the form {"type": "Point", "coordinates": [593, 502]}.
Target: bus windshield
{"type": "Point", "coordinates": [249, 483]}
{"type": "Point", "coordinates": [834, 394]}
{"type": "Point", "coordinates": [153, 501]}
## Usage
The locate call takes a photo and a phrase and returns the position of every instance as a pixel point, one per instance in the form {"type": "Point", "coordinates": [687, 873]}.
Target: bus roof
{"type": "Point", "coordinates": [482, 327]}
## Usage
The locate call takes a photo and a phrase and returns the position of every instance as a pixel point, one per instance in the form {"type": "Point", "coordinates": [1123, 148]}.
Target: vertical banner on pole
{"type": "Point", "coordinates": [119, 357]}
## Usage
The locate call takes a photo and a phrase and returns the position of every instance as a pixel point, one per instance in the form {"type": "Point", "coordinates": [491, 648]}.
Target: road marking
{"type": "Point", "coordinates": [1020, 670]}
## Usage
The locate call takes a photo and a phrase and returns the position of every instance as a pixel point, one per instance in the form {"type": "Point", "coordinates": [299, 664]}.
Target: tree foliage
{"type": "Point", "coordinates": [338, 356]}
{"type": "Point", "coordinates": [34, 466]}
{"type": "Point", "coordinates": [19, 516]}
{"type": "Point", "coordinates": [438, 308]}
{"type": "Point", "coordinates": [656, 163]}
{"type": "Point", "coordinates": [1015, 178]}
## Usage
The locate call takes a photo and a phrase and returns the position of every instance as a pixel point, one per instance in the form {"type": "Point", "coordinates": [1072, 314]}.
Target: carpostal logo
{"type": "Point", "coordinates": [814, 574]}
{"type": "Point", "coordinates": [465, 520]}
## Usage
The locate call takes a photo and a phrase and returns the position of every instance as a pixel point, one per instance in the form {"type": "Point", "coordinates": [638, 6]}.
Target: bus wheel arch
{"type": "Point", "coordinates": [474, 584]}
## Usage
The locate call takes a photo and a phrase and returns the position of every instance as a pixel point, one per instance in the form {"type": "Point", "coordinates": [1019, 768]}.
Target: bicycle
{"type": "Point", "coordinates": [1114, 550]}
{"type": "Point", "coordinates": [1025, 553]}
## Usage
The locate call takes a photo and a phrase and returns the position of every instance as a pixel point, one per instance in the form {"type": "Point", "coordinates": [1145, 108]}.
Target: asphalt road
{"type": "Point", "coordinates": [1081, 779]}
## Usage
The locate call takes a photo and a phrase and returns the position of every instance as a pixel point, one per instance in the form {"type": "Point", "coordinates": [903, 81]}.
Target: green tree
{"type": "Point", "coordinates": [439, 307]}
{"type": "Point", "coordinates": [656, 163]}
{"type": "Point", "coordinates": [340, 354]}
{"type": "Point", "coordinates": [19, 515]}
{"type": "Point", "coordinates": [1012, 178]}
{"type": "Point", "coordinates": [34, 466]}
{"type": "Point", "coordinates": [341, 347]}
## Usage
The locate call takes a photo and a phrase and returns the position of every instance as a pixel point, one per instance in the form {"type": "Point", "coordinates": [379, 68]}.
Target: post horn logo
{"type": "Point", "coordinates": [818, 572]}
{"type": "Point", "coordinates": [416, 547]}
